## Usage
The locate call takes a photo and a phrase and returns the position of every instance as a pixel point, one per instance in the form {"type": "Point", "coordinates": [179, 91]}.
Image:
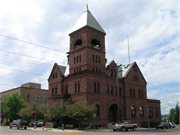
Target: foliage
{"type": "Point", "coordinates": [172, 111]}
{"type": "Point", "coordinates": [176, 115]}
{"type": "Point", "coordinates": [152, 123]}
{"type": "Point", "coordinates": [64, 110]}
{"type": "Point", "coordinates": [164, 120]}
{"type": "Point", "coordinates": [41, 112]}
{"type": "Point", "coordinates": [82, 111]}
{"type": "Point", "coordinates": [13, 103]}
{"type": "Point", "coordinates": [90, 126]}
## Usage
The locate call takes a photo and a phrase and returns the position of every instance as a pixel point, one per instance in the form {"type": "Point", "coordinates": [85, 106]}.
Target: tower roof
{"type": "Point", "coordinates": [87, 19]}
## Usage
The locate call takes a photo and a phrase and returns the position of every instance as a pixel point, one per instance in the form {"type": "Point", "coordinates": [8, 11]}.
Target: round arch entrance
{"type": "Point", "coordinates": [113, 113]}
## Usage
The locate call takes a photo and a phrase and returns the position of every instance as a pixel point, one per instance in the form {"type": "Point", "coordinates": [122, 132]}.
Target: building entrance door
{"type": "Point", "coordinates": [112, 114]}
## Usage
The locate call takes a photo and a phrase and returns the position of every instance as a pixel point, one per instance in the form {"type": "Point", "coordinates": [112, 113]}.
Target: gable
{"type": "Point", "coordinates": [57, 69]}
{"type": "Point", "coordinates": [133, 70]}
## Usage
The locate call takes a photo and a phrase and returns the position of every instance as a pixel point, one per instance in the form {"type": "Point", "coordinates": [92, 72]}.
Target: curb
{"type": "Point", "coordinates": [58, 131]}
{"type": "Point", "coordinates": [99, 131]}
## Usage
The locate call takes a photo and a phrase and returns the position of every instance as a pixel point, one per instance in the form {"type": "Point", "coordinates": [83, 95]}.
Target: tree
{"type": "Point", "coordinates": [80, 111]}
{"type": "Point", "coordinates": [176, 114]}
{"type": "Point", "coordinates": [13, 103]}
{"type": "Point", "coordinates": [41, 113]}
{"type": "Point", "coordinates": [2, 106]}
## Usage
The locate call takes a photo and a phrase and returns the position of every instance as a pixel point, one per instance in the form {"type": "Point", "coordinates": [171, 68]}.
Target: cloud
{"type": "Point", "coordinates": [153, 39]}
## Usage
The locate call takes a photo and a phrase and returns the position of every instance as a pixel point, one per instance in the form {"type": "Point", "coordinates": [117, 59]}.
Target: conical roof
{"type": "Point", "coordinates": [87, 19]}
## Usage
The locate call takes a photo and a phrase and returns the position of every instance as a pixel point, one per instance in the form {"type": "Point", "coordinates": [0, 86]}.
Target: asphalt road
{"type": "Point", "coordinates": [7, 131]}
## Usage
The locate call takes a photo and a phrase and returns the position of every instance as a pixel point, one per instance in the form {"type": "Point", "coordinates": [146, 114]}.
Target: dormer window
{"type": "Point", "coordinates": [95, 44]}
{"type": "Point", "coordinates": [78, 44]}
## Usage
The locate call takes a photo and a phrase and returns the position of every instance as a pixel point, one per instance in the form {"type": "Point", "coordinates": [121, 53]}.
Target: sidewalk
{"type": "Point", "coordinates": [71, 130]}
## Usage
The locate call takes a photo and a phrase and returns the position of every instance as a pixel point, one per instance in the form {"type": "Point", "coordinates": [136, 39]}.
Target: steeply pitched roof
{"type": "Point", "coordinates": [87, 19]}
{"type": "Point", "coordinates": [62, 69]}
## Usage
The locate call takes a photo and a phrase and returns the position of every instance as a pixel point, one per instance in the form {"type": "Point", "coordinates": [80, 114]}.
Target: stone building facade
{"type": "Point", "coordinates": [29, 92]}
{"type": "Point", "coordinates": [89, 78]}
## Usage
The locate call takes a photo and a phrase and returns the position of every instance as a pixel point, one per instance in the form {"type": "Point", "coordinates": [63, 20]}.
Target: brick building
{"type": "Point", "coordinates": [29, 92]}
{"type": "Point", "coordinates": [89, 78]}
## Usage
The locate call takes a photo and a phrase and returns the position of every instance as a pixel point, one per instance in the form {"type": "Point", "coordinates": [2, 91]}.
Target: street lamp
{"type": "Point", "coordinates": [148, 116]}
{"type": "Point", "coordinates": [36, 112]}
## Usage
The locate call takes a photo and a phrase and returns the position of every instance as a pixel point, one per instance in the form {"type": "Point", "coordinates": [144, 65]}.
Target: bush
{"type": "Point", "coordinates": [152, 123]}
{"type": "Point", "coordinates": [90, 126]}
{"type": "Point", "coordinates": [164, 120]}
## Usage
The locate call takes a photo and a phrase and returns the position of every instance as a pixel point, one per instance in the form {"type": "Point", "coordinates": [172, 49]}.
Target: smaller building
{"type": "Point", "coordinates": [29, 92]}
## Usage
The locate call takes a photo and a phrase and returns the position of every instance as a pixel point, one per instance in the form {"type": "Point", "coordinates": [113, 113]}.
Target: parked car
{"type": "Point", "coordinates": [19, 123]}
{"type": "Point", "coordinates": [38, 124]}
{"type": "Point", "coordinates": [172, 124]}
{"type": "Point", "coordinates": [162, 125]}
{"type": "Point", "coordinates": [124, 126]}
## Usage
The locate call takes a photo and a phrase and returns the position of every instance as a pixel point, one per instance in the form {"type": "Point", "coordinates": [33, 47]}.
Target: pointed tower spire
{"type": "Point", "coordinates": [87, 19]}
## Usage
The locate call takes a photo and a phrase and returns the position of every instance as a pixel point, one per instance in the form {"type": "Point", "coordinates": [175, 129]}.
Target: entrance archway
{"type": "Point", "coordinates": [112, 114]}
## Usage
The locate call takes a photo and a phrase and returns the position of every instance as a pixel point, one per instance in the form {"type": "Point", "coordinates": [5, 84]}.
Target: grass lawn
{"type": "Point", "coordinates": [177, 126]}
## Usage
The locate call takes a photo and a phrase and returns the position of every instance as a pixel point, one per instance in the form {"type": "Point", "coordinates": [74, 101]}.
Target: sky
{"type": "Point", "coordinates": [34, 36]}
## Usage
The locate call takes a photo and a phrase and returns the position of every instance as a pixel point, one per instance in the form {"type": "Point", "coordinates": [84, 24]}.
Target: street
{"type": "Point", "coordinates": [7, 131]}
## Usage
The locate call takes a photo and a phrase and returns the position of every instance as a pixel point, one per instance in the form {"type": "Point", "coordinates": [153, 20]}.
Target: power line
{"type": "Point", "coordinates": [23, 47]}
{"type": "Point", "coordinates": [17, 59]}
{"type": "Point", "coordinates": [31, 43]}
{"type": "Point", "coordinates": [23, 71]}
{"type": "Point", "coordinates": [26, 56]}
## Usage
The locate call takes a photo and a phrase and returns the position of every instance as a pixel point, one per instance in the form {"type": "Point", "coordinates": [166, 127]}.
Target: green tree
{"type": "Point", "coordinates": [176, 114]}
{"type": "Point", "coordinates": [60, 111]}
{"type": "Point", "coordinates": [172, 111]}
{"type": "Point", "coordinates": [13, 103]}
{"type": "Point", "coordinates": [41, 112]}
{"type": "Point", "coordinates": [80, 111]}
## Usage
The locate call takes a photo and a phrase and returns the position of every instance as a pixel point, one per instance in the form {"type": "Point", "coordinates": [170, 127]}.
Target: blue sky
{"type": "Point", "coordinates": [153, 29]}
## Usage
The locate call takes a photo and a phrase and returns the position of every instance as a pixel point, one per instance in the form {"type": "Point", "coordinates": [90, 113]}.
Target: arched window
{"type": "Point", "coordinates": [95, 44]}
{"type": "Point", "coordinates": [132, 111]}
{"type": "Point", "coordinates": [97, 110]}
{"type": "Point", "coordinates": [78, 43]}
{"type": "Point", "coordinates": [141, 111]}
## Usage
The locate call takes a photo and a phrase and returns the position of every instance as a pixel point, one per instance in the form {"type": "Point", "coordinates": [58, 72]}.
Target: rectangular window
{"type": "Point", "coordinates": [133, 92]}
{"type": "Point", "coordinates": [111, 72]}
{"type": "Point", "coordinates": [114, 73]}
{"type": "Point", "coordinates": [75, 87]}
{"type": "Point", "coordinates": [45, 100]}
{"type": "Point", "coordinates": [78, 87]}
{"type": "Point", "coordinates": [67, 89]}
{"type": "Point", "coordinates": [135, 78]}
{"type": "Point", "coordinates": [141, 94]}
{"type": "Point", "coordinates": [107, 89]}
{"type": "Point", "coordinates": [28, 99]}
{"type": "Point", "coordinates": [95, 87]}
{"type": "Point", "coordinates": [130, 92]}
{"type": "Point", "coordinates": [111, 90]}
{"type": "Point", "coordinates": [55, 90]}
{"type": "Point", "coordinates": [98, 87]}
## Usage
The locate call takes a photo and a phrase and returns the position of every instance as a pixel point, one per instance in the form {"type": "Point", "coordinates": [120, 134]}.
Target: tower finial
{"type": "Point", "coordinates": [87, 10]}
